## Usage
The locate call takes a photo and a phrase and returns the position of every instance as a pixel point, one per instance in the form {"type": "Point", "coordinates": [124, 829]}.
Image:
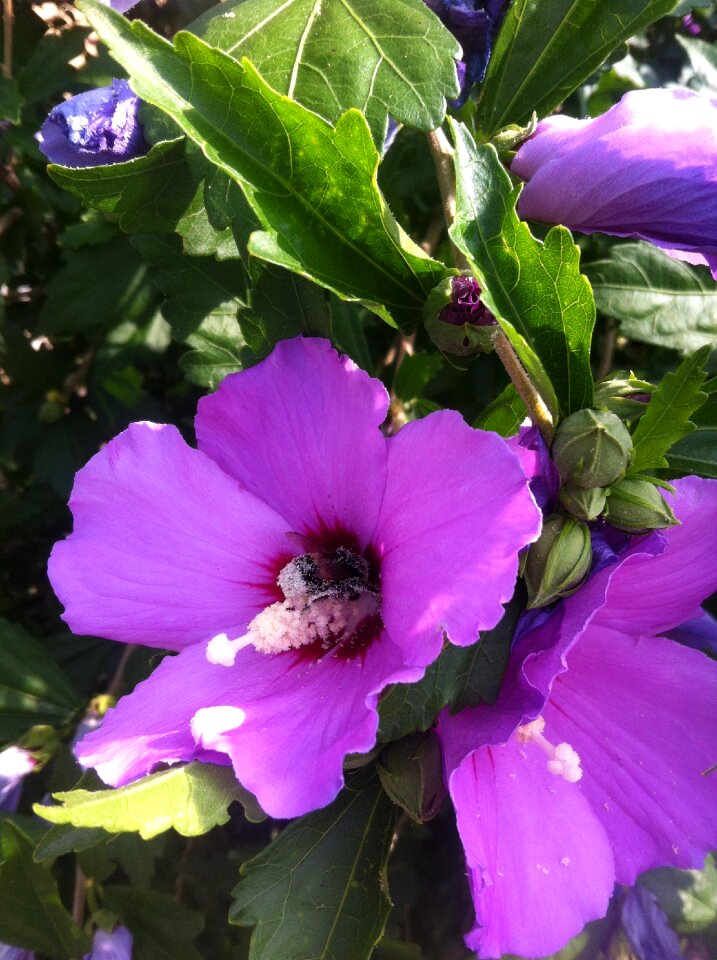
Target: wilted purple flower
{"type": "Point", "coordinates": [646, 169]}
{"type": "Point", "coordinates": [111, 945]}
{"type": "Point", "coordinates": [94, 128]}
{"type": "Point", "coordinates": [647, 927]}
{"type": "Point", "coordinates": [299, 562]}
{"type": "Point", "coordinates": [474, 24]}
{"type": "Point", "coordinates": [588, 769]}
{"type": "Point", "coordinates": [121, 6]}
{"type": "Point", "coordinates": [15, 764]}
{"type": "Point", "coordinates": [466, 305]}
{"type": "Point", "coordinates": [8, 952]}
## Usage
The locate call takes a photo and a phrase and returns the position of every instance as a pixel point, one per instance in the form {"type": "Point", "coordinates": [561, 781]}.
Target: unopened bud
{"type": "Point", "coordinates": [592, 448]}
{"type": "Point", "coordinates": [558, 562]}
{"type": "Point", "coordinates": [585, 503]}
{"type": "Point", "coordinates": [624, 395]}
{"type": "Point", "coordinates": [457, 320]}
{"type": "Point", "coordinates": [411, 771]}
{"type": "Point", "coordinates": [636, 506]}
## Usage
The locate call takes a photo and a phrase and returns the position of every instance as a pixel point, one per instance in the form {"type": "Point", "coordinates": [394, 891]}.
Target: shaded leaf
{"type": "Point", "coordinates": [460, 677]}
{"type": "Point", "coordinates": [656, 299]}
{"type": "Point", "coordinates": [688, 897]}
{"type": "Point", "coordinates": [192, 799]}
{"type": "Point", "coordinates": [162, 929]}
{"type": "Point", "coordinates": [546, 48]}
{"type": "Point", "coordinates": [503, 415]}
{"type": "Point", "coordinates": [319, 889]}
{"type": "Point", "coordinates": [149, 194]}
{"type": "Point", "coordinates": [416, 371]}
{"type": "Point", "coordinates": [33, 689]}
{"type": "Point", "coordinates": [535, 289]}
{"type": "Point", "coordinates": [336, 54]}
{"type": "Point", "coordinates": [313, 186]}
{"type": "Point", "coordinates": [31, 913]}
{"type": "Point", "coordinates": [667, 418]}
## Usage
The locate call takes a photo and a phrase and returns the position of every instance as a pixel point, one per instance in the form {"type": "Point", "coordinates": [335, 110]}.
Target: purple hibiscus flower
{"type": "Point", "coordinates": [298, 562]}
{"type": "Point", "coordinates": [15, 764]}
{"type": "Point", "coordinates": [588, 770]}
{"type": "Point", "coordinates": [94, 128]}
{"type": "Point", "coordinates": [646, 169]}
{"type": "Point", "coordinates": [121, 6]}
{"type": "Point", "coordinates": [474, 24]}
{"type": "Point", "coordinates": [111, 945]}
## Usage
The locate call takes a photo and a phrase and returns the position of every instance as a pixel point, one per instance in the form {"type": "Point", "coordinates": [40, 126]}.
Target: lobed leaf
{"type": "Point", "coordinates": [319, 889]}
{"type": "Point", "coordinates": [31, 912]}
{"type": "Point", "coordinates": [657, 299]}
{"type": "Point", "coordinates": [331, 55]}
{"type": "Point", "coordinates": [546, 48]}
{"type": "Point", "coordinates": [33, 689]}
{"type": "Point", "coordinates": [535, 289]}
{"type": "Point", "coordinates": [192, 799]}
{"type": "Point", "coordinates": [313, 186]}
{"type": "Point", "coordinates": [667, 418]}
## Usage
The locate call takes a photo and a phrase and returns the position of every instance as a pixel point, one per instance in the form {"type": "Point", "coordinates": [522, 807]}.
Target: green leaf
{"type": "Point", "coordinates": [667, 418]}
{"type": "Point", "coordinates": [319, 890]}
{"type": "Point", "coordinates": [64, 838]}
{"type": "Point", "coordinates": [33, 689]}
{"type": "Point", "coordinates": [162, 929]}
{"type": "Point", "coordinates": [657, 299]}
{"type": "Point", "coordinates": [11, 100]}
{"type": "Point", "coordinates": [461, 677]}
{"type": "Point", "coordinates": [546, 48]}
{"type": "Point", "coordinates": [535, 289]}
{"type": "Point", "coordinates": [503, 415]}
{"type": "Point", "coordinates": [703, 60]}
{"type": "Point", "coordinates": [688, 897]}
{"type": "Point", "coordinates": [696, 453]}
{"type": "Point", "coordinates": [31, 913]}
{"type": "Point", "coordinates": [203, 298]}
{"type": "Point", "coordinates": [149, 194]}
{"type": "Point", "coordinates": [331, 55]}
{"type": "Point", "coordinates": [416, 371]}
{"type": "Point", "coordinates": [119, 291]}
{"type": "Point", "coordinates": [192, 799]}
{"type": "Point", "coordinates": [312, 186]}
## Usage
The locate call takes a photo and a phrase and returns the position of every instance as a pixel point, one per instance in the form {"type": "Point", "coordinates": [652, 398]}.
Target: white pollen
{"type": "Point", "coordinates": [563, 761]}
{"type": "Point", "coordinates": [287, 626]}
{"type": "Point", "coordinates": [565, 862]}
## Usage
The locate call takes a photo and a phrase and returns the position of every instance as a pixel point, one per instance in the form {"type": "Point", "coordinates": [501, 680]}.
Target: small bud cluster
{"type": "Point", "coordinates": [592, 452]}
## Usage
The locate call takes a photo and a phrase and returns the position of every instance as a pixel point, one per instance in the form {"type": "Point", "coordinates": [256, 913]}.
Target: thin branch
{"type": "Point", "coordinates": [608, 348]}
{"type": "Point", "coordinates": [115, 684]}
{"type": "Point", "coordinates": [445, 171]}
{"type": "Point", "coordinates": [7, 22]}
{"type": "Point", "coordinates": [78, 897]}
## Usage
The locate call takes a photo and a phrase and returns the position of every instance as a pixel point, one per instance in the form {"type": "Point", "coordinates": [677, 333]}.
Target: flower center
{"type": "Point", "coordinates": [563, 761]}
{"type": "Point", "coordinates": [329, 602]}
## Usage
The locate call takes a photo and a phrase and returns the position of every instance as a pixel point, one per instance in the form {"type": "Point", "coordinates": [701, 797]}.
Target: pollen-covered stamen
{"type": "Point", "coordinates": [563, 761]}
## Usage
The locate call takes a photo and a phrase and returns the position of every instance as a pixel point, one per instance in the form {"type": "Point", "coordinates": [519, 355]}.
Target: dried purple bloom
{"type": "Point", "coordinates": [587, 770]}
{"type": "Point", "coordinates": [466, 305]}
{"type": "Point", "coordinates": [94, 128]}
{"type": "Point", "coordinates": [475, 24]}
{"type": "Point", "coordinates": [646, 169]}
{"type": "Point", "coordinates": [111, 945]}
{"type": "Point", "coordinates": [298, 562]}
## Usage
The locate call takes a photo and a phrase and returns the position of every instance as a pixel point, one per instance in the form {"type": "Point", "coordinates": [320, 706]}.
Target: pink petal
{"type": "Point", "coordinates": [455, 513]}
{"type": "Point", "coordinates": [641, 714]}
{"type": "Point", "coordinates": [166, 549]}
{"type": "Point", "coordinates": [300, 430]}
{"type": "Point", "coordinates": [286, 721]}
{"type": "Point", "coordinates": [540, 865]}
{"type": "Point", "coordinates": [680, 578]}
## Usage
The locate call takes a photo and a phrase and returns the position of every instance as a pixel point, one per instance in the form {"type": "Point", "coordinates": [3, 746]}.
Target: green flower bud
{"type": "Point", "coordinates": [636, 506]}
{"type": "Point", "coordinates": [558, 562]}
{"type": "Point", "coordinates": [411, 772]}
{"type": "Point", "coordinates": [585, 503]}
{"type": "Point", "coordinates": [624, 395]}
{"type": "Point", "coordinates": [457, 320]}
{"type": "Point", "coordinates": [592, 448]}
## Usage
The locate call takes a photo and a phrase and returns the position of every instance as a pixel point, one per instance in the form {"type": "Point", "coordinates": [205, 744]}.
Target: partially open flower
{"type": "Point", "coordinates": [646, 169]}
{"type": "Point", "coordinates": [456, 318]}
{"type": "Point", "coordinates": [94, 128]}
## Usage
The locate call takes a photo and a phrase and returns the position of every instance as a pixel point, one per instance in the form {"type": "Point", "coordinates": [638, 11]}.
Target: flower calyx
{"type": "Point", "coordinates": [623, 394]}
{"type": "Point", "coordinates": [592, 448]}
{"type": "Point", "coordinates": [635, 505]}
